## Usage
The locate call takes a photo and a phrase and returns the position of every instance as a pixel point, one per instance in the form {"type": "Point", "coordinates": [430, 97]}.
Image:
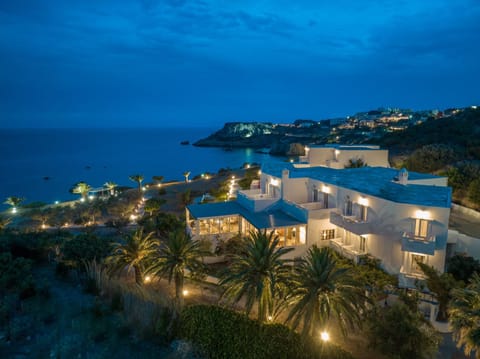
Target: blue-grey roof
{"type": "Point", "coordinates": [374, 181]}
{"type": "Point", "coordinates": [272, 217]}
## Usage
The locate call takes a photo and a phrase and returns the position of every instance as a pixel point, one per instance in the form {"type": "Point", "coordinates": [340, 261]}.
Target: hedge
{"type": "Point", "coordinates": [222, 333]}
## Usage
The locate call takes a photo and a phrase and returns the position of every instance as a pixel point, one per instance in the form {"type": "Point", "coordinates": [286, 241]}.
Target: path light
{"type": "Point", "coordinates": [185, 292]}
{"type": "Point", "coordinates": [144, 189]}
{"type": "Point", "coordinates": [14, 210]}
{"type": "Point", "coordinates": [147, 279]}
{"type": "Point", "coordinates": [91, 197]}
{"type": "Point", "coordinates": [57, 202]}
{"type": "Point", "coordinates": [325, 336]}
{"type": "Point", "coordinates": [82, 199]}
{"type": "Point", "coordinates": [269, 318]}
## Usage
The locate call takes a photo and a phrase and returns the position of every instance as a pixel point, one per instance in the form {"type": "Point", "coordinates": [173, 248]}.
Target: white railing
{"type": "Point", "coordinates": [255, 194]}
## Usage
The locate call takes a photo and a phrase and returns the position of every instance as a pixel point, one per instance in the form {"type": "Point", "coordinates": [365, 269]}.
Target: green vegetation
{"type": "Point", "coordinates": [355, 163]}
{"type": "Point", "coordinates": [83, 248]}
{"type": "Point", "coordinates": [258, 273]}
{"type": "Point", "coordinates": [462, 267]}
{"type": "Point", "coordinates": [81, 188]}
{"type": "Point", "coordinates": [250, 175]}
{"type": "Point", "coordinates": [321, 290]}
{"type": "Point", "coordinates": [401, 332]}
{"type": "Point", "coordinates": [138, 178]}
{"type": "Point", "coordinates": [177, 253]}
{"type": "Point", "coordinates": [464, 314]}
{"type": "Point", "coordinates": [135, 253]}
{"type": "Point", "coordinates": [441, 285]}
{"type": "Point", "coordinates": [221, 333]}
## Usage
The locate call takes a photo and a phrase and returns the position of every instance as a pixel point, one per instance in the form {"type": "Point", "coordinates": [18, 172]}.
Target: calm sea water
{"type": "Point", "coordinates": [96, 156]}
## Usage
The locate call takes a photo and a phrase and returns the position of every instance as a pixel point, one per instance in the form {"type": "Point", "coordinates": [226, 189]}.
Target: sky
{"type": "Point", "coordinates": [147, 63]}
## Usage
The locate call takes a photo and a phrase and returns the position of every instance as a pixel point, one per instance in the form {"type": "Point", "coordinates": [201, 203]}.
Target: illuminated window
{"type": "Point", "coordinates": [327, 234]}
{"type": "Point", "coordinates": [417, 258]}
{"type": "Point", "coordinates": [363, 213]}
{"type": "Point", "coordinates": [421, 228]}
{"type": "Point", "coordinates": [325, 200]}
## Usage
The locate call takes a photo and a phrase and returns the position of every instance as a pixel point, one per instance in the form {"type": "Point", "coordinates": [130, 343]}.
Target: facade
{"type": "Point", "coordinates": [398, 217]}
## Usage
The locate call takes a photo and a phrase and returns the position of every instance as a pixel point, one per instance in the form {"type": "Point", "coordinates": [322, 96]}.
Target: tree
{"type": "Point", "coordinates": [257, 273]}
{"type": "Point", "coordinates": [441, 284]}
{"type": "Point", "coordinates": [321, 290]}
{"type": "Point", "coordinates": [177, 253]}
{"type": "Point", "coordinates": [186, 175]}
{"type": "Point", "coordinates": [111, 187]}
{"type": "Point", "coordinates": [136, 252]}
{"type": "Point", "coordinates": [464, 314]}
{"type": "Point", "coordinates": [462, 267]}
{"type": "Point", "coordinates": [81, 188]}
{"type": "Point", "coordinates": [158, 179]}
{"type": "Point", "coordinates": [14, 202]}
{"type": "Point", "coordinates": [474, 191]}
{"type": "Point", "coordinates": [401, 333]}
{"type": "Point", "coordinates": [153, 205]}
{"type": "Point", "coordinates": [139, 179]}
{"type": "Point", "coordinates": [186, 197]}
{"type": "Point", "coordinates": [355, 163]}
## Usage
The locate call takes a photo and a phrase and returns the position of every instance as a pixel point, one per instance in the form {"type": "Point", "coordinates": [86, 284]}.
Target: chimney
{"type": "Point", "coordinates": [403, 176]}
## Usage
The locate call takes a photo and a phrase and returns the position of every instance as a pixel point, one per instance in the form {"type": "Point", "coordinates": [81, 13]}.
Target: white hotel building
{"type": "Point", "coordinates": [398, 217]}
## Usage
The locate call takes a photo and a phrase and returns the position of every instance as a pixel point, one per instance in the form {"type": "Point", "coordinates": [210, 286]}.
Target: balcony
{"type": "Point", "coordinates": [316, 210]}
{"type": "Point", "coordinates": [416, 244]}
{"type": "Point", "coordinates": [346, 250]}
{"type": "Point", "coordinates": [254, 200]}
{"type": "Point", "coordinates": [350, 223]}
{"type": "Point", "coordinates": [409, 279]}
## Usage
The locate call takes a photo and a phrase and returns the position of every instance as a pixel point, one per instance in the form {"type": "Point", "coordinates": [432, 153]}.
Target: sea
{"type": "Point", "coordinates": [43, 164]}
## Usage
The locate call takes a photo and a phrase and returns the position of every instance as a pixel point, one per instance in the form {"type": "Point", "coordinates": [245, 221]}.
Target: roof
{"type": "Point", "coordinates": [337, 146]}
{"type": "Point", "coordinates": [272, 217]}
{"type": "Point", "coordinates": [374, 181]}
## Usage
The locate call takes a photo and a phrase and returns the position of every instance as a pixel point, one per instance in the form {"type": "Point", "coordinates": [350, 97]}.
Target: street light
{"type": "Point", "coordinates": [325, 336]}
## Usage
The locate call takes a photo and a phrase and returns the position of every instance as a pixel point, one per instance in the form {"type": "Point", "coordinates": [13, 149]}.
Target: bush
{"type": "Point", "coordinates": [222, 333]}
{"type": "Point", "coordinates": [16, 275]}
{"type": "Point", "coordinates": [462, 267]}
{"type": "Point", "coordinates": [84, 248]}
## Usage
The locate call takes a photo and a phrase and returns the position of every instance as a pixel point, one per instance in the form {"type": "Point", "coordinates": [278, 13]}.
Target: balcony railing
{"type": "Point", "coordinates": [350, 223]}
{"type": "Point", "coordinates": [346, 250]}
{"type": "Point", "coordinates": [417, 244]}
{"type": "Point", "coordinates": [254, 200]}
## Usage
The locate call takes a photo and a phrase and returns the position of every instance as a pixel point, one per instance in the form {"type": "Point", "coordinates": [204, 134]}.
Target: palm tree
{"type": "Point", "coordinates": [186, 174]}
{"type": "Point", "coordinates": [14, 202]}
{"type": "Point", "coordinates": [139, 179]}
{"type": "Point", "coordinates": [257, 273]}
{"type": "Point", "coordinates": [111, 186]}
{"type": "Point", "coordinates": [464, 315]}
{"type": "Point", "coordinates": [81, 188]}
{"type": "Point", "coordinates": [177, 253]}
{"type": "Point", "coordinates": [320, 290]}
{"type": "Point", "coordinates": [135, 253]}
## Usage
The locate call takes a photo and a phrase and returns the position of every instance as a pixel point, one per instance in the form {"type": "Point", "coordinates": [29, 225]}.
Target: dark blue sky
{"type": "Point", "coordinates": [123, 63]}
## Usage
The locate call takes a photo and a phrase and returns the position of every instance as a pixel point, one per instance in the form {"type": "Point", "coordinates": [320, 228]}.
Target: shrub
{"type": "Point", "coordinates": [83, 248]}
{"type": "Point", "coordinates": [222, 333]}
{"type": "Point", "coordinates": [16, 275]}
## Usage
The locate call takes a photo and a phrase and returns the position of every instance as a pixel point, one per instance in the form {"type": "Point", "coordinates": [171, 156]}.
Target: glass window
{"type": "Point", "coordinates": [421, 228]}
{"type": "Point", "coordinates": [327, 234]}
{"type": "Point", "coordinates": [363, 244]}
{"type": "Point", "coordinates": [348, 207]}
{"type": "Point", "coordinates": [363, 213]}
{"type": "Point", "coordinates": [417, 258]}
{"type": "Point", "coordinates": [325, 200]}
{"type": "Point", "coordinates": [315, 195]}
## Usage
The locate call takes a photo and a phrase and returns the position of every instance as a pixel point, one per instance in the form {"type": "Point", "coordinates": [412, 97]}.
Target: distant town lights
{"type": "Point", "coordinates": [14, 210]}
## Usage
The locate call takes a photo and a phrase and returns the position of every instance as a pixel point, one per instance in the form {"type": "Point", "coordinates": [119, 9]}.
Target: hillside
{"type": "Point", "coordinates": [460, 131]}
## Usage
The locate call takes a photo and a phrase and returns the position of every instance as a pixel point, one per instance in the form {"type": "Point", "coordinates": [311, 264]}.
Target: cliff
{"type": "Point", "coordinates": [280, 139]}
